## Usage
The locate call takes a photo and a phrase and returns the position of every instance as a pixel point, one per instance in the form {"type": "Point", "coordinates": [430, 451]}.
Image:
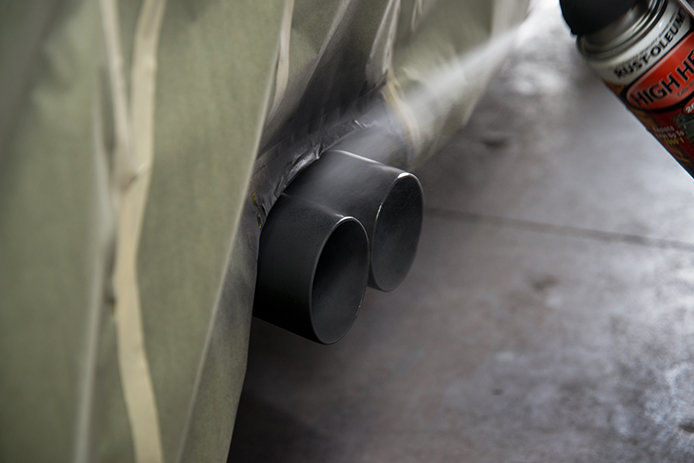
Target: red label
{"type": "Point", "coordinates": [660, 99]}
{"type": "Point", "coordinates": [668, 84]}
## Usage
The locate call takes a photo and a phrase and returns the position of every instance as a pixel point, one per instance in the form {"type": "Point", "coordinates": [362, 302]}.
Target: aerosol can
{"type": "Point", "coordinates": [644, 52]}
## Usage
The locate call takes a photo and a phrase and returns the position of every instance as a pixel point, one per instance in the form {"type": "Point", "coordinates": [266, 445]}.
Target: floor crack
{"type": "Point", "coordinates": [564, 230]}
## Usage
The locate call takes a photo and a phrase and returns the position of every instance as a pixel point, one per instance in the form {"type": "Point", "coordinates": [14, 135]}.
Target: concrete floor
{"type": "Point", "coordinates": [549, 316]}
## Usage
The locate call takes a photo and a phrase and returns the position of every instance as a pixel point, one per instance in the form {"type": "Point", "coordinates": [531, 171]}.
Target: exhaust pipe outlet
{"type": "Point", "coordinates": [312, 269]}
{"type": "Point", "coordinates": [386, 200]}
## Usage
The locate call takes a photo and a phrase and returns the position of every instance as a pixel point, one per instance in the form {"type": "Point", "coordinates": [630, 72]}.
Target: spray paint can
{"type": "Point", "coordinates": [644, 52]}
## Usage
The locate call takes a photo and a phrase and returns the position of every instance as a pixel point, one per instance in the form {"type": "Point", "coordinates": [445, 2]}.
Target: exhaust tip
{"type": "Point", "coordinates": [313, 266]}
{"type": "Point", "coordinates": [339, 281]}
{"type": "Point", "coordinates": [386, 200]}
{"type": "Point", "coordinates": [396, 233]}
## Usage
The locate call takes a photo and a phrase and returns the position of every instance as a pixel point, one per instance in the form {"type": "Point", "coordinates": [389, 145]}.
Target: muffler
{"type": "Point", "coordinates": [312, 269]}
{"type": "Point", "coordinates": [386, 200]}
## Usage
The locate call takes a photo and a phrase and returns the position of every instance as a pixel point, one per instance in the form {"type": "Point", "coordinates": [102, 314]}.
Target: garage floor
{"type": "Point", "coordinates": [549, 316]}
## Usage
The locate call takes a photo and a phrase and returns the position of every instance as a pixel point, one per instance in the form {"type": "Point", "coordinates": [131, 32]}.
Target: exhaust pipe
{"type": "Point", "coordinates": [343, 222]}
{"type": "Point", "coordinates": [312, 269]}
{"type": "Point", "coordinates": [386, 200]}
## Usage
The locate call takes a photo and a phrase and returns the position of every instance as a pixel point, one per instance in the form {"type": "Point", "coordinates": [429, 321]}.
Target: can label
{"type": "Point", "coordinates": [655, 80]}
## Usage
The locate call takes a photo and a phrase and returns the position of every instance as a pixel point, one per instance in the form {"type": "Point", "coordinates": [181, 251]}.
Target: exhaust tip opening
{"type": "Point", "coordinates": [396, 233]}
{"type": "Point", "coordinates": [339, 281]}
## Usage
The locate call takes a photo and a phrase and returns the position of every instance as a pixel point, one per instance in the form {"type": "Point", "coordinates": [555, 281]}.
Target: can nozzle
{"type": "Point", "coordinates": [589, 16]}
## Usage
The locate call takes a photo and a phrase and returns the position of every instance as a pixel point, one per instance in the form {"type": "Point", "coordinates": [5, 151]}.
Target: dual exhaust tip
{"type": "Point", "coordinates": [344, 223]}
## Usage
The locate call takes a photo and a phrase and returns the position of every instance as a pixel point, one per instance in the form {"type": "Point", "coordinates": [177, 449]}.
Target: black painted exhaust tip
{"type": "Point", "coordinates": [312, 269]}
{"type": "Point", "coordinates": [386, 200]}
{"type": "Point", "coordinates": [396, 233]}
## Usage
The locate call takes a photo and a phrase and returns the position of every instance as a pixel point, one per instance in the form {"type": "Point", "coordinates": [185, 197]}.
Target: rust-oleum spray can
{"type": "Point", "coordinates": [644, 51]}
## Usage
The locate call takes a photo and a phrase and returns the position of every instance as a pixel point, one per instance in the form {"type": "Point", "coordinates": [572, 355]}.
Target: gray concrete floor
{"type": "Point", "coordinates": [549, 316]}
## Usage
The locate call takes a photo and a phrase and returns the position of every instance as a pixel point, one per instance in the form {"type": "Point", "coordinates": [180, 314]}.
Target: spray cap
{"type": "Point", "coordinates": [588, 16]}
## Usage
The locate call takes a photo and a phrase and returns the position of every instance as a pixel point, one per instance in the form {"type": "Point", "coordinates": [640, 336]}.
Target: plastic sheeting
{"type": "Point", "coordinates": [141, 145]}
